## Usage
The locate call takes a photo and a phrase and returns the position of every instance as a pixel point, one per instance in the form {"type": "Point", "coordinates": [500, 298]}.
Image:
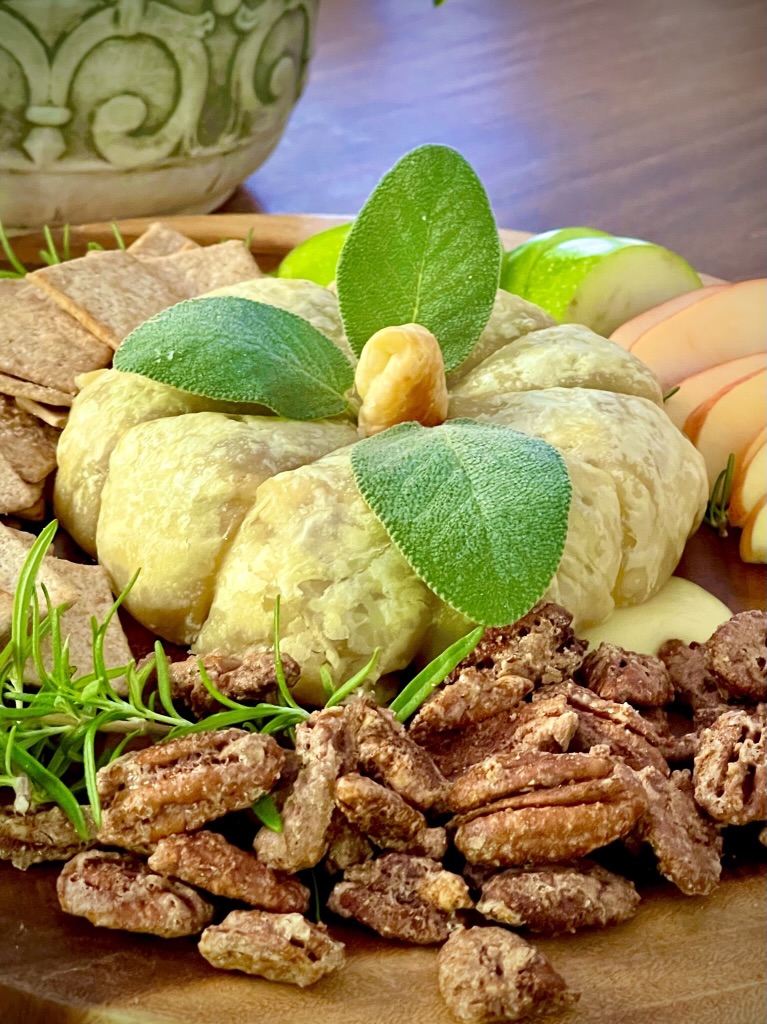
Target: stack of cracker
{"type": "Point", "coordinates": [66, 319]}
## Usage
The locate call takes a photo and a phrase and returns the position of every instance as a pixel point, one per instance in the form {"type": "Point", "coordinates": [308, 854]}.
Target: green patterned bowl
{"type": "Point", "coordinates": [122, 108]}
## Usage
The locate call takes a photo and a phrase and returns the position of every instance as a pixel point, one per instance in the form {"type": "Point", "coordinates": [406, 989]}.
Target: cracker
{"type": "Point", "coordinates": [15, 494]}
{"type": "Point", "coordinates": [200, 270]}
{"type": "Point", "coordinates": [6, 616]}
{"type": "Point", "coordinates": [53, 417]}
{"type": "Point", "coordinates": [34, 513]}
{"type": "Point", "coordinates": [41, 343]}
{"type": "Point", "coordinates": [14, 548]}
{"type": "Point", "coordinates": [88, 593]}
{"type": "Point", "coordinates": [109, 293]}
{"type": "Point", "coordinates": [28, 445]}
{"type": "Point", "coordinates": [160, 240]}
{"type": "Point", "coordinates": [35, 392]}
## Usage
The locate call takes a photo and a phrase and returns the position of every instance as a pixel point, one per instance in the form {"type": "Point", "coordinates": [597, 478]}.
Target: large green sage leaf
{"type": "Point", "coordinates": [479, 511]}
{"type": "Point", "coordinates": [238, 350]}
{"type": "Point", "coordinates": [425, 249]}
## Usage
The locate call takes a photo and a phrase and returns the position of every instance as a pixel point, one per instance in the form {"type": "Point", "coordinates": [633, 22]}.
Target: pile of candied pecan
{"type": "Point", "coordinates": [532, 755]}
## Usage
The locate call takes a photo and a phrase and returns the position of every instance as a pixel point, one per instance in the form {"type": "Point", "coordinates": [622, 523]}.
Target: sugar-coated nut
{"type": "Point", "coordinates": [490, 974]}
{"type": "Point", "coordinates": [401, 377]}
{"type": "Point", "coordinates": [280, 947]}
{"type": "Point", "coordinates": [730, 775]}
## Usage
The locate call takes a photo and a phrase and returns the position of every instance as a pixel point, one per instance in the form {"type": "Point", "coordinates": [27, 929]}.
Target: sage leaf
{"type": "Point", "coordinates": [237, 350]}
{"type": "Point", "coordinates": [425, 249]}
{"type": "Point", "coordinates": [479, 511]}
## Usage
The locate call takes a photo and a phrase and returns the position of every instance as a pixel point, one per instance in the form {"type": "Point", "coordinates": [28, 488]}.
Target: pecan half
{"type": "Point", "coordinates": [401, 897]}
{"type": "Point", "coordinates": [688, 846]}
{"type": "Point", "coordinates": [280, 947]}
{"type": "Point", "coordinates": [627, 677]}
{"type": "Point", "coordinates": [471, 698]}
{"type": "Point", "coordinates": [544, 725]}
{"type": "Point", "coordinates": [385, 751]}
{"type": "Point", "coordinates": [506, 774]}
{"type": "Point", "coordinates": [248, 678]}
{"type": "Point", "coordinates": [553, 823]}
{"type": "Point", "coordinates": [675, 745]}
{"type": "Point", "coordinates": [693, 684]}
{"type": "Point", "coordinates": [180, 785]}
{"type": "Point", "coordinates": [387, 818]}
{"type": "Point", "coordinates": [736, 653]}
{"type": "Point", "coordinates": [558, 898]}
{"type": "Point", "coordinates": [322, 743]}
{"type": "Point", "coordinates": [620, 727]}
{"type": "Point", "coordinates": [208, 861]}
{"type": "Point", "coordinates": [117, 890]}
{"type": "Point", "coordinates": [43, 834]}
{"type": "Point", "coordinates": [541, 646]}
{"type": "Point", "coordinates": [346, 845]}
{"type": "Point", "coordinates": [489, 974]}
{"type": "Point", "coordinates": [729, 774]}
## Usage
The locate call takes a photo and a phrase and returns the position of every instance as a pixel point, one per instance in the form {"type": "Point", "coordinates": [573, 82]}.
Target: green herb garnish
{"type": "Point", "coordinates": [409, 700]}
{"type": "Point", "coordinates": [266, 811]}
{"type": "Point", "coordinates": [424, 249]}
{"type": "Point", "coordinates": [239, 350]}
{"type": "Point", "coordinates": [479, 511]}
{"type": "Point", "coordinates": [719, 502]}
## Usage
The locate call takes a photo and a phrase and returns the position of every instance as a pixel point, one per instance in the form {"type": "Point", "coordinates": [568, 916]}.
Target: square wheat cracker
{"type": "Point", "coordinates": [28, 445]}
{"type": "Point", "coordinates": [160, 240]}
{"type": "Point", "coordinates": [200, 270]}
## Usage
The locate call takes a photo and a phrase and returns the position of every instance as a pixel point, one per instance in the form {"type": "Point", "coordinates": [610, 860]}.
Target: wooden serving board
{"type": "Point", "coordinates": [681, 960]}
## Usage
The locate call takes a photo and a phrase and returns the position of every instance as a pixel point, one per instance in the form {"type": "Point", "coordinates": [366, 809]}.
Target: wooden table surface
{"type": "Point", "coordinates": [642, 118]}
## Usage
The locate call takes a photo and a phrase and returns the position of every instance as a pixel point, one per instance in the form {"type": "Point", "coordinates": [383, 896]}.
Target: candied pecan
{"type": "Point", "coordinates": [385, 751]}
{"type": "Point", "coordinates": [693, 684]}
{"type": "Point", "coordinates": [687, 845]}
{"type": "Point", "coordinates": [387, 818]}
{"type": "Point", "coordinates": [540, 646]}
{"type": "Point", "coordinates": [490, 974]}
{"type": "Point", "coordinates": [618, 726]}
{"type": "Point", "coordinates": [554, 823]}
{"type": "Point", "coordinates": [43, 834]}
{"type": "Point", "coordinates": [558, 898]}
{"type": "Point", "coordinates": [674, 744]}
{"type": "Point", "coordinates": [179, 785]}
{"type": "Point", "coordinates": [322, 743]}
{"type": "Point", "coordinates": [401, 897]}
{"type": "Point", "coordinates": [473, 697]}
{"type": "Point", "coordinates": [736, 653]}
{"type": "Point", "coordinates": [729, 773]}
{"type": "Point", "coordinates": [346, 845]}
{"type": "Point", "coordinates": [248, 678]}
{"type": "Point", "coordinates": [280, 947]}
{"type": "Point", "coordinates": [506, 774]}
{"type": "Point", "coordinates": [117, 890]}
{"type": "Point", "coordinates": [209, 862]}
{"type": "Point", "coordinates": [545, 725]}
{"type": "Point", "coordinates": [627, 677]}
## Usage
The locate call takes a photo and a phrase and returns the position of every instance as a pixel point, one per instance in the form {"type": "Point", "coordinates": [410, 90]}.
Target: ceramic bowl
{"type": "Point", "coordinates": [122, 108]}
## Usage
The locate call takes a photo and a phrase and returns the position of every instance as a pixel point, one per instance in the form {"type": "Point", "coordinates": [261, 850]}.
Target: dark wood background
{"type": "Point", "coordinates": [642, 117]}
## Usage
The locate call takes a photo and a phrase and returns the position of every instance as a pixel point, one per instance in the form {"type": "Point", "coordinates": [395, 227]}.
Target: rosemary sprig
{"type": "Point", "coordinates": [409, 700]}
{"type": "Point", "coordinates": [50, 254]}
{"type": "Point", "coordinates": [719, 502]}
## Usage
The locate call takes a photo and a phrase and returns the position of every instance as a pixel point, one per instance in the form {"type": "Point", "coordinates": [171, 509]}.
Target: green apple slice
{"type": "Point", "coordinates": [518, 263]}
{"type": "Point", "coordinates": [603, 282]}
{"type": "Point", "coordinates": [316, 259]}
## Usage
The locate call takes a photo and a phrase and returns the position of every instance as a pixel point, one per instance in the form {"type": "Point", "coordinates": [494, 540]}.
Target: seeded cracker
{"type": "Point", "coordinates": [202, 269]}
{"type": "Point", "coordinates": [109, 293]}
{"type": "Point", "coordinates": [160, 240]}
{"type": "Point", "coordinates": [28, 445]}
{"type": "Point", "coordinates": [43, 344]}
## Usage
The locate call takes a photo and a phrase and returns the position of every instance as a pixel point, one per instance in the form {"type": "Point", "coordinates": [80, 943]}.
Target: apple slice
{"type": "Point", "coordinates": [695, 390]}
{"type": "Point", "coordinates": [750, 481]}
{"type": "Point", "coordinates": [518, 262]}
{"type": "Point", "coordinates": [753, 540]}
{"type": "Point", "coordinates": [603, 282]}
{"type": "Point", "coordinates": [727, 324]}
{"type": "Point", "coordinates": [726, 422]}
{"type": "Point", "coordinates": [627, 333]}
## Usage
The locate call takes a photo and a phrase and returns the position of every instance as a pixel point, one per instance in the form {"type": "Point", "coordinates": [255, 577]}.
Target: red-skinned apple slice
{"type": "Point", "coordinates": [628, 333]}
{"type": "Point", "coordinates": [727, 421]}
{"type": "Point", "coordinates": [753, 540]}
{"type": "Point", "coordinates": [750, 480]}
{"type": "Point", "coordinates": [728, 324]}
{"type": "Point", "coordinates": [695, 390]}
